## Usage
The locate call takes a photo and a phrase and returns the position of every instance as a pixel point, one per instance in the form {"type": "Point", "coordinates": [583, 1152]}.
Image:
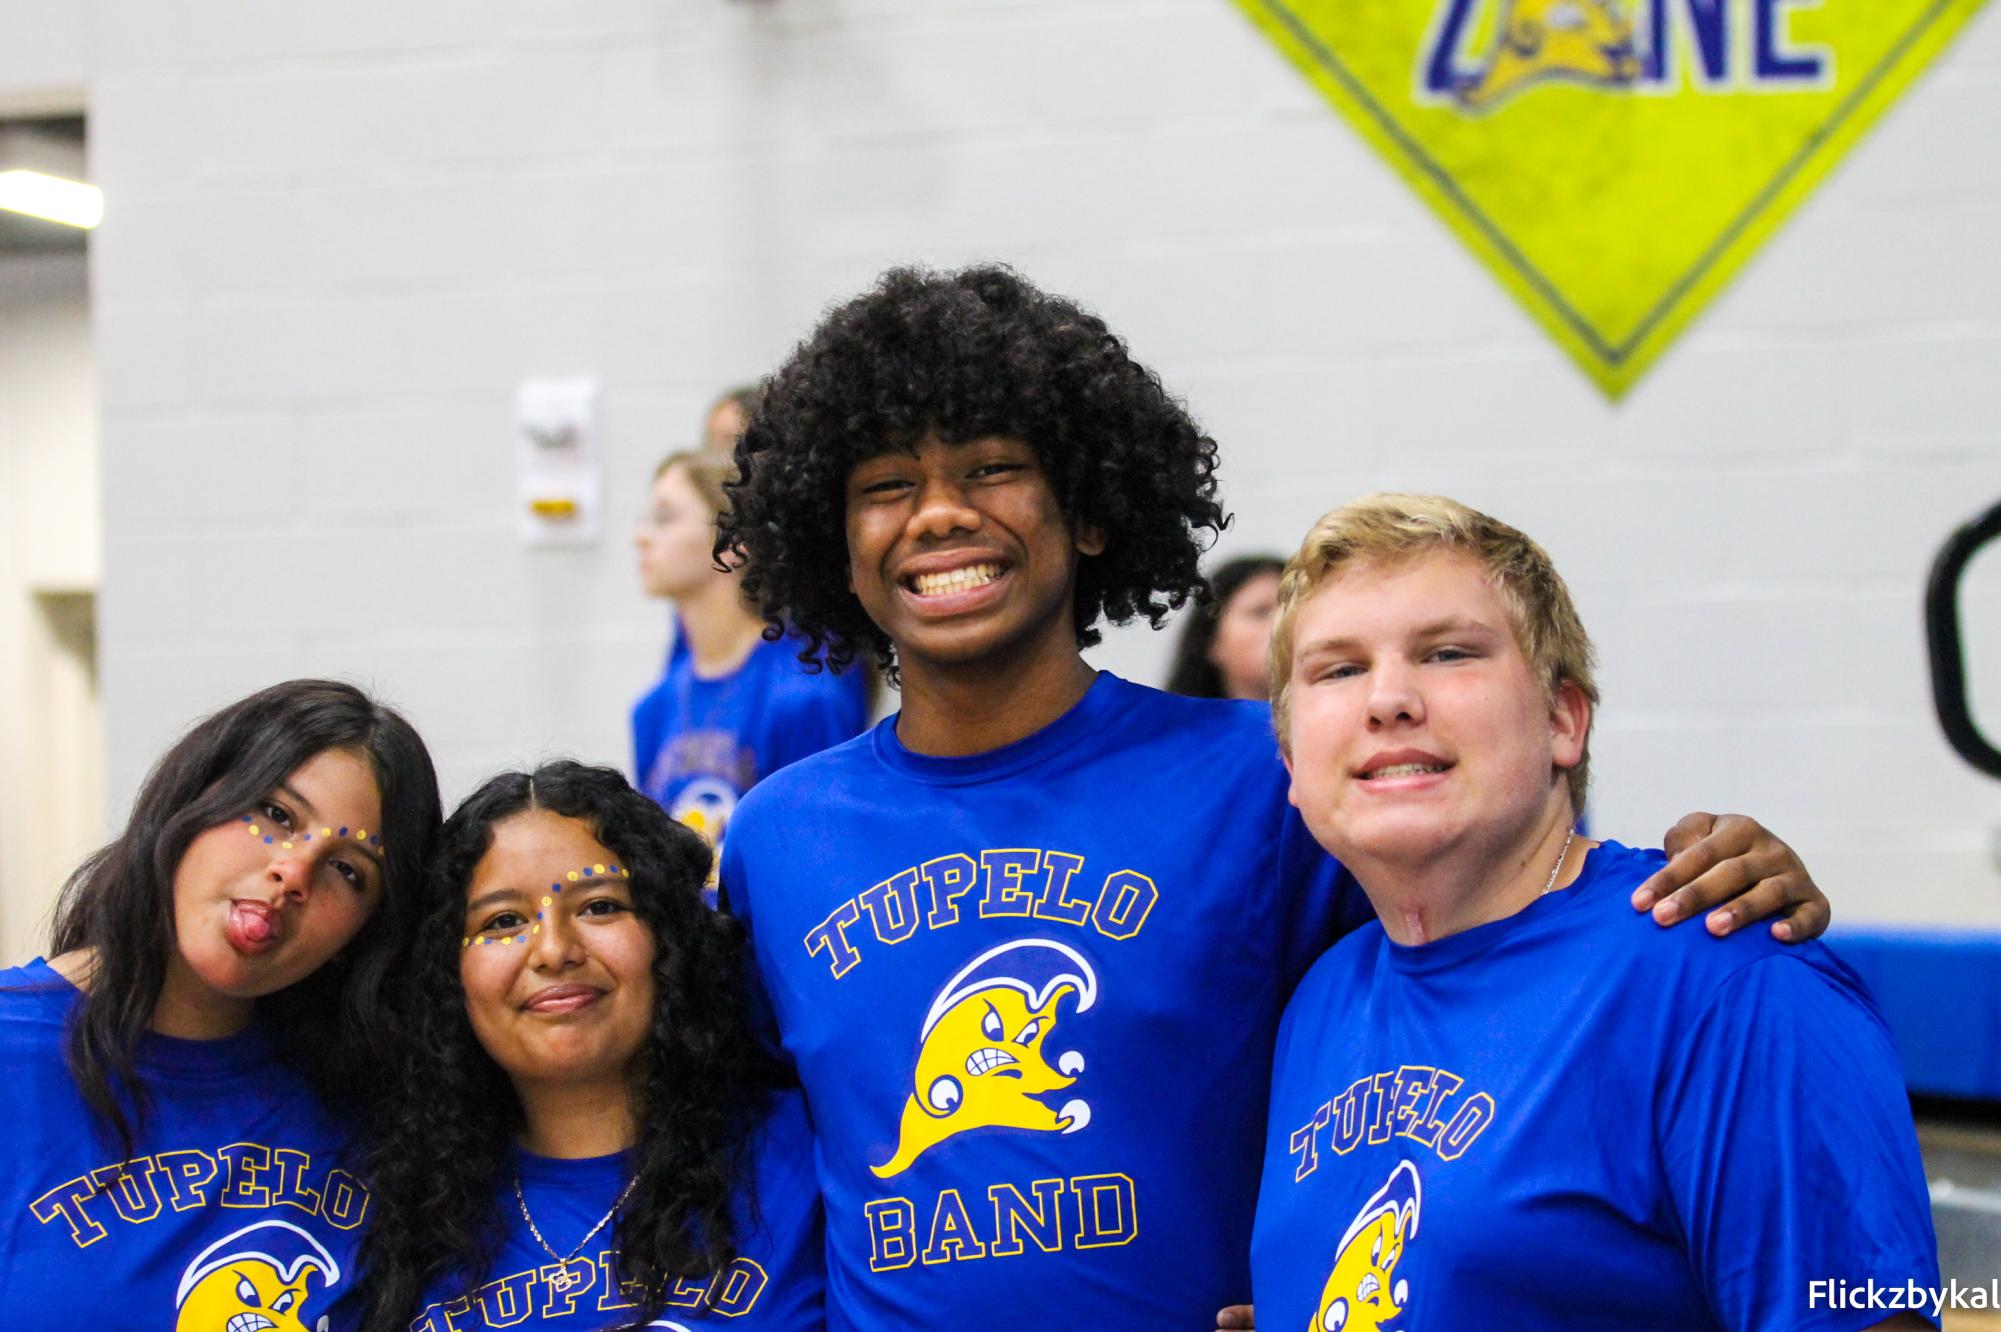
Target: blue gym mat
{"type": "Point", "coordinates": [1940, 991]}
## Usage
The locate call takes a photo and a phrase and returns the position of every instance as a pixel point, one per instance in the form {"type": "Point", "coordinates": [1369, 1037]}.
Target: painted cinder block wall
{"type": "Point", "coordinates": [340, 235]}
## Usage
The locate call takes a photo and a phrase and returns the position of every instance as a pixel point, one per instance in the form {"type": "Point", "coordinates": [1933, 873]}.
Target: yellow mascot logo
{"type": "Point", "coordinates": [1614, 163]}
{"type": "Point", "coordinates": [980, 1063]}
{"type": "Point", "coordinates": [1590, 41]}
{"type": "Point", "coordinates": [1363, 1293]}
{"type": "Point", "coordinates": [254, 1280]}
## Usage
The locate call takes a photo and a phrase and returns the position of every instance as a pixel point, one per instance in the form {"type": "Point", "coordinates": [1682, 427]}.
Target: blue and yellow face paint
{"type": "Point", "coordinates": [588, 874]}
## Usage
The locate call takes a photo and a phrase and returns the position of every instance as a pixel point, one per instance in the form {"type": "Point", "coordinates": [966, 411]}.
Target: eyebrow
{"type": "Point", "coordinates": [1448, 624]}
{"type": "Point", "coordinates": [494, 898]}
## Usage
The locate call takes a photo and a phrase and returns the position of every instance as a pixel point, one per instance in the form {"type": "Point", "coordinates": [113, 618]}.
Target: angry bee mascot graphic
{"type": "Point", "coordinates": [1363, 1292]}
{"type": "Point", "coordinates": [980, 1062]}
{"type": "Point", "coordinates": [255, 1280]}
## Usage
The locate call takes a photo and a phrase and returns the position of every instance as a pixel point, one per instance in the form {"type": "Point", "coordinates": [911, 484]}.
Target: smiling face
{"type": "Point", "coordinates": [264, 900]}
{"type": "Point", "coordinates": [675, 539]}
{"type": "Point", "coordinates": [960, 553]}
{"type": "Point", "coordinates": [1418, 729]}
{"type": "Point", "coordinates": [557, 971]}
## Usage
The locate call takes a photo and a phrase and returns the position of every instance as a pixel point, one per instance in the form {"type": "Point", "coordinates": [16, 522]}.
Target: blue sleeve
{"type": "Point", "coordinates": [647, 734]}
{"type": "Point", "coordinates": [816, 713]}
{"type": "Point", "coordinates": [1319, 901]}
{"type": "Point", "coordinates": [734, 897]}
{"type": "Point", "coordinates": [1788, 1148]}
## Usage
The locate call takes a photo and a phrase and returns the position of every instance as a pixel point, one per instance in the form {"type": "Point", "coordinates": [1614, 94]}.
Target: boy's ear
{"type": "Point", "coordinates": [1091, 540]}
{"type": "Point", "coordinates": [1569, 722]}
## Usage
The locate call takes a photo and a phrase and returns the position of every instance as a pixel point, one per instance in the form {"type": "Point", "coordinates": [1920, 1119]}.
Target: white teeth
{"type": "Point", "coordinates": [1407, 769]}
{"type": "Point", "coordinates": [985, 1061]}
{"type": "Point", "coordinates": [955, 580]}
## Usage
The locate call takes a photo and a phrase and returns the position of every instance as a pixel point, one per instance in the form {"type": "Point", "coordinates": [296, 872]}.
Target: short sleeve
{"type": "Point", "coordinates": [817, 712]}
{"type": "Point", "coordinates": [1318, 900]}
{"type": "Point", "coordinates": [734, 897]}
{"type": "Point", "coordinates": [1788, 1147]}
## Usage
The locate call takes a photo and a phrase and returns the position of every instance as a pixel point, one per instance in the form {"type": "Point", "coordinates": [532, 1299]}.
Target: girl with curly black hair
{"type": "Point", "coordinates": [212, 1001]}
{"type": "Point", "coordinates": [573, 1126]}
{"type": "Point", "coordinates": [1027, 941]}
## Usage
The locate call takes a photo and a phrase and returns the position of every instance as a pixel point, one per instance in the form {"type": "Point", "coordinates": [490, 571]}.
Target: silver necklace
{"type": "Point", "coordinates": [565, 1279]}
{"type": "Point", "coordinates": [1555, 870]}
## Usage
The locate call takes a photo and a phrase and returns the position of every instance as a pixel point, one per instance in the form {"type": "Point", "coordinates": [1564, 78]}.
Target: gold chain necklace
{"type": "Point", "coordinates": [565, 1279]}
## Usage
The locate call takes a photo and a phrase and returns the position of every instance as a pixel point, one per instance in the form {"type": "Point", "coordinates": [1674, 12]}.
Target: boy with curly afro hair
{"type": "Point", "coordinates": [1026, 942]}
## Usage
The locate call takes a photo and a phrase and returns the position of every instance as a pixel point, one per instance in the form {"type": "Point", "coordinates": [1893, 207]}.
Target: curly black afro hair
{"type": "Point", "coordinates": [965, 355]}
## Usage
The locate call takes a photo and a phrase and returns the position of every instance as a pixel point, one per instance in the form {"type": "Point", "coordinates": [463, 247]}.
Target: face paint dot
{"type": "Point", "coordinates": [286, 845]}
{"type": "Point", "coordinates": [326, 832]}
{"type": "Point", "coordinates": [536, 930]}
{"type": "Point", "coordinates": [362, 835]}
{"type": "Point", "coordinates": [256, 831]}
{"type": "Point", "coordinates": [269, 840]}
{"type": "Point", "coordinates": [521, 938]}
{"type": "Point", "coordinates": [246, 818]}
{"type": "Point", "coordinates": [573, 876]}
{"type": "Point", "coordinates": [466, 942]}
{"type": "Point", "coordinates": [307, 838]}
{"type": "Point", "coordinates": [548, 901]}
{"type": "Point", "coordinates": [508, 940]}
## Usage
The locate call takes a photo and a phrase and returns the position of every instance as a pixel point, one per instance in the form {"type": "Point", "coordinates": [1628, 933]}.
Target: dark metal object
{"type": "Point", "coordinates": [1942, 636]}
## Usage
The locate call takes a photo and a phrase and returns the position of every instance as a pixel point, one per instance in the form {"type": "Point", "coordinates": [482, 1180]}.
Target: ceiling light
{"type": "Point", "coordinates": [40, 176]}
{"type": "Point", "coordinates": [70, 202]}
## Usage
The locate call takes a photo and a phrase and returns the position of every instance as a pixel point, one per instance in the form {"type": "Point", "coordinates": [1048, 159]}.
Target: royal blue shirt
{"type": "Point", "coordinates": [1559, 1120]}
{"type": "Point", "coordinates": [776, 1284]}
{"type": "Point", "coordinates": [233, 1203]}
{"type": "Point", "coordinates": [1031, 996]}
{"type": "Point", "coordinates": [699, 744]}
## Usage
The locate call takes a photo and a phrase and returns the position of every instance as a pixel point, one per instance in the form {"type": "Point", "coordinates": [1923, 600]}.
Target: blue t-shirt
{"type": "Point", "coordinates": [1031, 995]}
{"type": "Point", "coordinates": [1567, 1119]}
{"type": "Point", "coordinates": [699, 744]}
{"type": "Point", "coordinates": [776, 1284]}
{"type": "Point", "coordinates": [234, 1203]}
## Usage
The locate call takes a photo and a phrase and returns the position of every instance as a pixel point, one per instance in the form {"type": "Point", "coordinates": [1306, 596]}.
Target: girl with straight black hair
{"type": "Point", "coordinates": [215, 986]}
{"type": "Point", "coordinates": [579, 1122]}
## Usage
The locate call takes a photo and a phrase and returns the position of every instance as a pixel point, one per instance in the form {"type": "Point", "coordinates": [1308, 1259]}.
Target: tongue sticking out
{"type": "Point", "coordinates": [251, 926]}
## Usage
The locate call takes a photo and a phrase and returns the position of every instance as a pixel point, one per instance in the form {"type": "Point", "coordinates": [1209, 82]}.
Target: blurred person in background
{"type": "Point", "coordinates": [1222, 649]}
{"type": "Point", "coordinates": [734, 706]}
{"type": "Point", "coordinates": [179, 1073]}
{"type": "Point", "coordinates": [727, 416]}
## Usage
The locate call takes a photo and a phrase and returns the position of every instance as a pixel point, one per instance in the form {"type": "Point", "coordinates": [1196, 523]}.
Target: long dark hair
{"type": "Point", "coordinates": [1194, 674]}
{"type": "Point", "coordinates": [120, 902]}
{"type": "Point", "coordinates": [444, 1127]}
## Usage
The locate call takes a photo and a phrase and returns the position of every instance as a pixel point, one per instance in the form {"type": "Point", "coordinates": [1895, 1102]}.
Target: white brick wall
{"type": "Point", "coordinates": [339, 235]}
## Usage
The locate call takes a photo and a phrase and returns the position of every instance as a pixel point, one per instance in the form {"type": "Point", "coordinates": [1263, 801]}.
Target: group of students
{"type": "Point", "coordinates": [1043, 1002]}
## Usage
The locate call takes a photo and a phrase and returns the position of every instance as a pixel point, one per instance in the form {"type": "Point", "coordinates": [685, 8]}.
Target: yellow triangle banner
{"type": "Point", "coordinates": [1613, 162]}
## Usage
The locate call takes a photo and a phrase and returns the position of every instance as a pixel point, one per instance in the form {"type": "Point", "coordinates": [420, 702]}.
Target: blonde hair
{"type": "Point", "coordinates": [1393, 528]}
{"type": "Point", "coordinates": [707, 472]}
